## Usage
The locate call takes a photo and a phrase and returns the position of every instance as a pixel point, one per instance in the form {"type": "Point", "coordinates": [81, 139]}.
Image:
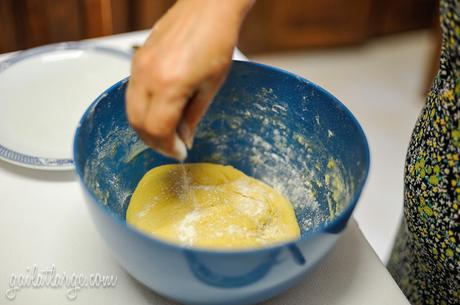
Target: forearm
{"type": "Point", "coordinates": [237, 6]}
{"type": "Point", "coordinates": [234, 10]}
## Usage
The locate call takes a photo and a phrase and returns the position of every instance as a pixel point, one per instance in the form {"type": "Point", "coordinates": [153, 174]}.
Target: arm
{"type": "Point", "coordinates": [177, 72]}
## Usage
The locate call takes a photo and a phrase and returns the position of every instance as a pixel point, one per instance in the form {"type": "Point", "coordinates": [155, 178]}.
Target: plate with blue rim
{"type": "Point", "coordinates": [43, 93]}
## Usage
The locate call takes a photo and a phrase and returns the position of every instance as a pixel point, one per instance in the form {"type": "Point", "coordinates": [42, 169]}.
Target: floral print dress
{"type": "Point", "coordinates": [425, 261]}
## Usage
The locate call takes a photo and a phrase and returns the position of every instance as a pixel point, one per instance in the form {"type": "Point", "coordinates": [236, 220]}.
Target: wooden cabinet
{"type": "Point", "coordinates": [301, 23]}
{"type": "Point", "coordinates": [278, 25]}
{"type": "Point", "coordinates": [29, 23]}
{"type": "Point", "coordinates": [271, 25]}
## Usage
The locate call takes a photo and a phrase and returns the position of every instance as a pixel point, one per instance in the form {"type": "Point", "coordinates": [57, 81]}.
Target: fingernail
{"type": "Point", "coordinates": [180, 151]}
{"type": "Point", "coordinates": [186, 134]}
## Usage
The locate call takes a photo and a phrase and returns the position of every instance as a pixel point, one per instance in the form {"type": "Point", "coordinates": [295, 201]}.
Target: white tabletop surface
{"type": "Point", "coordinates": [44, 223]}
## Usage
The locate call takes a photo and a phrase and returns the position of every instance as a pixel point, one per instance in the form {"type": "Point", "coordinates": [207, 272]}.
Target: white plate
{"type": "Point", "coordinates": [44, 92]}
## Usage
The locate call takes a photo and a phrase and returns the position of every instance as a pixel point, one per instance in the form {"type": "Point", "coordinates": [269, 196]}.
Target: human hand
{"type": "Point", "coordinates": [179, 69]}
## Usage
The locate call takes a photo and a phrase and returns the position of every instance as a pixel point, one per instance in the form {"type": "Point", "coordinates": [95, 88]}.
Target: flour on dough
{"type": "Point", "coordinates": [210, 206]}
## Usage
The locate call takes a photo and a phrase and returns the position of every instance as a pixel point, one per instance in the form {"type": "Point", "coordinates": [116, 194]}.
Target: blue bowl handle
{"type": "Point", "coordinates": [296, 254]}
{"type": "Point", "coordinates": [206, 275]}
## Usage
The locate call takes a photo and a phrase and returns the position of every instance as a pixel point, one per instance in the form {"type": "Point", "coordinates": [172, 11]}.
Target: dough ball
{"type": "Point", "coordinates": [210, 206]}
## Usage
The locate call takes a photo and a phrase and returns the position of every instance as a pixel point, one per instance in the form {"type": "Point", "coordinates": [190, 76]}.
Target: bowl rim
{"type": "Point", "coordinates": [341, 219]}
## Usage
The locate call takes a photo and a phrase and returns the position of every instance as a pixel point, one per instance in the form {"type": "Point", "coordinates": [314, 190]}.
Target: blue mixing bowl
{"type": "Point", "coordinates": [272, 125]}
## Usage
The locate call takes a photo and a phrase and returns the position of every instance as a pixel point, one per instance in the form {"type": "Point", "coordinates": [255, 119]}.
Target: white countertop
{"type": "Point", "coordinates": [45, 223]}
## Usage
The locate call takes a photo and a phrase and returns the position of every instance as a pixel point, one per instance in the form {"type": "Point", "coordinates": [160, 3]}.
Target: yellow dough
{"type": "Point", "coordinates": [211, 206]}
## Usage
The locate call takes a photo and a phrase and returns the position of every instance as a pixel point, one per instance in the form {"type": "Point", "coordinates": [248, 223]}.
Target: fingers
{"type": "Point", "coordinates": [155, 118]}
{"type": "Point", "coordinates": [162, 119]}
{"type": "Point", "coordinates": [171, 147]}
{"type": "Point", "coordinates": [196, 108]}
{"type": "Point", "coordinates": [136, 103]}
